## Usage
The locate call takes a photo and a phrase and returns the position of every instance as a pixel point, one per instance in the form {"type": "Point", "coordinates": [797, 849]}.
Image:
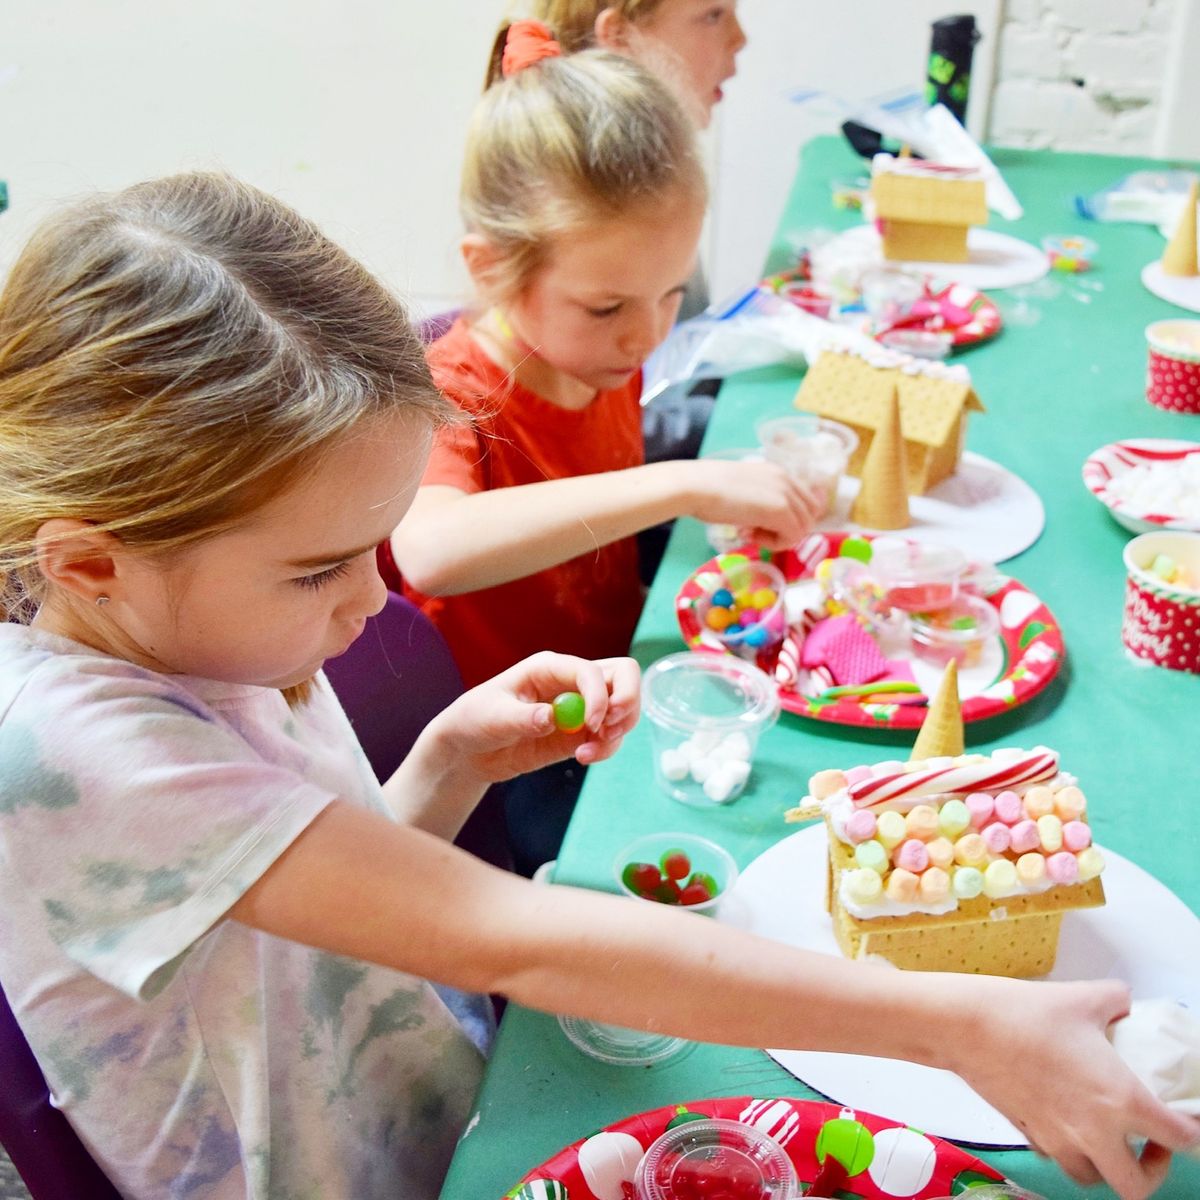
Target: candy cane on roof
{"type": "Point", "coordinates": [983, 776]}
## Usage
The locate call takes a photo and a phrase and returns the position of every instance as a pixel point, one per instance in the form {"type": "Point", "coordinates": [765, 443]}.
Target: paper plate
{"type": "Point", "coordinates": [1025, 656]}
{"type": "Point", "coordinates": [995, 260]}
{"type": "Point", "coordinates": [878, 1159]}
{"type": "Point", "coordinates": [959, 310]}
{"type": "Point", "coordinates": [1116, 459]}
{"type": "Point", "coordinates": [1183, 290]}
{"type": "Point", "coordinates": [1144, 935]}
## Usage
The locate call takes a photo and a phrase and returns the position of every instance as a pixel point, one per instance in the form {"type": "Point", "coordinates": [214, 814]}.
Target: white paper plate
{"type": "Point", "coordinates": [1145, 935]}
{"type": "Point", "coordinates": [983, 509]}
{"type": "Point", "coordinates": [996, 260]}
{"type": "Point", "coordinates": [1183, 290]}
{"type": "Point", "coordinates": [1117, 458]}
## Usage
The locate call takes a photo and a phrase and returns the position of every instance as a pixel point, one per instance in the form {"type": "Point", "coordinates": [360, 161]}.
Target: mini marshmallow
{"type": "Point", "coordinates": [1009, 808]}
{"type": "Point", "coordinates": [673, 764]}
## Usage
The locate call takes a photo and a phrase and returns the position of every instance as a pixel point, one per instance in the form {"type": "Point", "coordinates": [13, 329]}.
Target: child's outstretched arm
{"type": "Point", "coordinates": [453, 541]}
{"type": "Point", "coordinates": [506, 727]}
{"type": "Point", "coordinates": [1037, 1051]}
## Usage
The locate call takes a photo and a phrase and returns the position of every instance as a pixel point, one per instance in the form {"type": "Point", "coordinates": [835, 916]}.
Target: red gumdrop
{"type": "Point", "coordinates": [695, 893]}
{"type": "Point", "coordinates": [667, 892]}
{"type": "Point", "coordinates": [675, 864]}
{"type": "Point", "coordinates": [641, 878]}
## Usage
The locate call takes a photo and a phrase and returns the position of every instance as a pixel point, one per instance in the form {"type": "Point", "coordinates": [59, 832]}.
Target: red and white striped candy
{"type": "Point", "coordinates": [988, 775]}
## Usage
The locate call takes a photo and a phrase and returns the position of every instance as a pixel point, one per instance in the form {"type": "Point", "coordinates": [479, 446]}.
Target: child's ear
{"type": "Point", "coordinates": [481, 259]}
{"type": "Point", "coordinates": [78, 557]}
{"type": "Point", "coordinates": [612, 30]}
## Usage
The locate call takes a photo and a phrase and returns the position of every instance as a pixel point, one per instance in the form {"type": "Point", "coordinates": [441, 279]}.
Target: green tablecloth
{"type": "Point", "coordinates": [1055, 390]}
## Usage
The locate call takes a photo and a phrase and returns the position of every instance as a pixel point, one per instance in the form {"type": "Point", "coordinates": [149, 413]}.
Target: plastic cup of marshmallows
{"type": "Point", "coordinates": [706, 714]}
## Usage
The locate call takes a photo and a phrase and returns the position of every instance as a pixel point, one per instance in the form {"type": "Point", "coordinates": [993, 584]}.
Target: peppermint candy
{"type": "Point", "coordinates": [989, 775]}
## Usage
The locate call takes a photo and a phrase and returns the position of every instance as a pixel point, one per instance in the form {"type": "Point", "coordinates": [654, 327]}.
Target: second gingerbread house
{"type": "Point", "coordinates": [924, 210]}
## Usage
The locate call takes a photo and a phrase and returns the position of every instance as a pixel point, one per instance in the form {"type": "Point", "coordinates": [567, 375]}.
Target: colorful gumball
{"type": "Point", "coordinates": [569, 712]}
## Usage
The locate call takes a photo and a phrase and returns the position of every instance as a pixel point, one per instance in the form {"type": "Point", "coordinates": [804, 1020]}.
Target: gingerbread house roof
{"type": "Point", "coordinates": [927, 193]}
{"type": "Point", "coordinates": [847, 388]}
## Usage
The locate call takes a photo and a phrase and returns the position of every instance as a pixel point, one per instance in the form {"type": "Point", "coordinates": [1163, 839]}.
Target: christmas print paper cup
{"type": "Point", "coordinates": [1162, 600]}
{"type": "Point", "coordinates": [1173, 366]}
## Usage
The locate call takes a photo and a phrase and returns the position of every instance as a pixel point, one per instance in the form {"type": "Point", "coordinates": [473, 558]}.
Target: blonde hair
{"type": "Point", "coordinates": [173, 356]}
{"type": "Point", "coordinates": [566, 142]}
{"type": "Point", "coordinates": [574, 21]}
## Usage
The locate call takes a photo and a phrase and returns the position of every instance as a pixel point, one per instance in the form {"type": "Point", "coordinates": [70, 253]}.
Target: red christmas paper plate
{"type": "Point", "coordinates": [1108, 471]}
{"type": "Point", "coordinates": [1025, 655]}
{"type": "Point", "coordinates": [845, 1153]}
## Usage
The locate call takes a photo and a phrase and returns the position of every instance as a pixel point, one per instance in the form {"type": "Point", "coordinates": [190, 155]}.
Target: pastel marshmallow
{"type": "Point", "coordinates": [1031, 869]}
{"type": "Point", "coordinates": [864, 886]}
{"type": "Point", "coordinates": [872, 856]}
{"type": "Point", "coordinates": [857, 775]}
{"type": "Point", "coordinates": [941, 853]}
{"type": "Point", "coordinates": [1009, 808]}
{"type": "Point", "coordinates": [890, 829]}
{"type": "Point", "coordinates": [1076, 835]}
{"type": "Point", "coordinates": [981, 806]}
{"type": "Point", "coordinates": [970, 851]}
{"type": "Point", "coordinates": [1024, 836]}
{"type": "Point", "coordinates": [996, 837]}
{"type": "Point", "coordinates": [1000, 879]}
{"type": "Point", "coordinates": [824, 783]}
{"type": "Point", "coordinates": [1050, 833]}
{"type": "Point", "coordinates": [1039, 802]}
{"type": "Point", "coordinates": [1063, 867]}
{"type": "Point", "coordinates": [902, 886]}
{"type": "Point", "coordinates": [1090, 863]}
{"type": "Point", "coordinates": [967, 882]}
{"type": "Point", "coordinates": [934, 886]}
{"type": "Point", "coordinates": [673, 764]}
{"type": "Point", "coordinates": [1070, 803]}
{"type": "Point", "coordinates": [953, 818]}
{"type": "Point", "coordinates": [860, 826]}
{"type": "Point", "coordinates": [921, 822]}
{"type": "Point", "coordinates": [912, 856]}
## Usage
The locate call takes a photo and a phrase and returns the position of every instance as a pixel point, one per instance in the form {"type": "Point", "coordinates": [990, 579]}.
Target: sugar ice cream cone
{"type": "Point", "coordinates": [882, 500]}
{"type": "Point", "coordinates": [1179, 258]}
{"type": "Point", "coordinates": [942, 730]}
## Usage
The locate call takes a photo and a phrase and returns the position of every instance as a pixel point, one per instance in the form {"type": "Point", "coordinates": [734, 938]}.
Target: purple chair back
{"type": "Point", "coordinates": [46, 1151]}
{"type": "Point", "coordinates": [392, 682]}
{"type": "Point", "coordinates": [432, 328]}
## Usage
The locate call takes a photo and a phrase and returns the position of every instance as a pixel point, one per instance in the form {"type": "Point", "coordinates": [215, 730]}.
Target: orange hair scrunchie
{"type": "Point", "coordinates": [525, 43]}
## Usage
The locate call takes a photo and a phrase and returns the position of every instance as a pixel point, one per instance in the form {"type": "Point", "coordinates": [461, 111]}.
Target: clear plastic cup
{"type": "Point", "coordinates": [706, 714]}
{"type": "Point", "coordinates": [723, 538]}
{"type": "Point", "coordinates": [813, 450]}
{"type": "Point", "coordinates": [960, 631]}
{"type": "Point", "coordinates": [708, 866]}
{"type": "Point", "coordinates": [917, 576]}
{"type": "Point", "coordinates": [618, 1046]}
{"type": "Point", "coordinates": [715, 1157]}
{"type": "Point", "coordinates": [742, 605]}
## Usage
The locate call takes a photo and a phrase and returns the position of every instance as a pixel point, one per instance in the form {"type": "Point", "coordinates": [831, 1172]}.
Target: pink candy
{"type": "Point", "coordinates": [1025, 836]}
{"type": "Point", "coordinates": [1076, 835]}
{"type": "Point", "coordinates": [912, 855]}
{"type": "Point", "coordinates": [857, 774]}
{"type": "Point", "coordinates": [1009, 808]}
{"type": "Point", "coordinates": [980, 805]}
{"type": "Point", "coordinates": [997, 837]}
{"type": "Point", "coordinates": [860, 827]}
{"type": "Point", "coordinates": [1062, 867]}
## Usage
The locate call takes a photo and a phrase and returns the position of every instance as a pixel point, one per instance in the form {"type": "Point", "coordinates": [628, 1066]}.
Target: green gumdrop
{"type": "Point", "coordinates": [856, 547]}
{"type": "Point", "coordinates": [683, 1116]}
{"type": "Point", "coordinates": [569, 712]}
{"type": "Point", "coordinates": [847, 1142]}
{"type": "Point", "coordinates": [707, 880]}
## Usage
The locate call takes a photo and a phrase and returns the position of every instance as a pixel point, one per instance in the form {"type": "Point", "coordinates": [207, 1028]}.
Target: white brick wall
{"type": "Point", "coordinates": [1080, 74]}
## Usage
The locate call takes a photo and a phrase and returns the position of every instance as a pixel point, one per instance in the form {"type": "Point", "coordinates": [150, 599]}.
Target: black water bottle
{"type": "Point", "coordinates": [948, 76]}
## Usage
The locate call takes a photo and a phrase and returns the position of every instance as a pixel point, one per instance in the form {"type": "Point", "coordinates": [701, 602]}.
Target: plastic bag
{"type": "Point", "coordinates": [1145, 197]}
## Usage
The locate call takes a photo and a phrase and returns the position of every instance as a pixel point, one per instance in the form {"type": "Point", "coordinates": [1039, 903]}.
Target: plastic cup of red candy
{"type": "Point", "coordinates": [679, 869]}
{"type": "Point", "coordinates": [715, 1159]}
{"type": "Point", "coordinates": [917, 576]}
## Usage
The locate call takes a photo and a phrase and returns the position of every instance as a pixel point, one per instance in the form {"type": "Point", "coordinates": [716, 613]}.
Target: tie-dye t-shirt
{"type": "Point", "coordinates": [199, 1058]}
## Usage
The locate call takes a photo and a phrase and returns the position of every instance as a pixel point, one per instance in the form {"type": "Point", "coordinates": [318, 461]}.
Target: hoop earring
{"type": "Point", "coordinates": [101, 600]}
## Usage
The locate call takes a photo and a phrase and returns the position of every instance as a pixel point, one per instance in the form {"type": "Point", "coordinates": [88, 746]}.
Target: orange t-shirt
{"type": "Point", "coordinates": [587, 606]}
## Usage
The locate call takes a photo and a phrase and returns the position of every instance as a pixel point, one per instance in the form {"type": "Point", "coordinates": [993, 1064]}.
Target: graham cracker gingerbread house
{"type": "Point", "coordinates": [934, 402]}
{"type": "Point", "coordinates": [924, 209]}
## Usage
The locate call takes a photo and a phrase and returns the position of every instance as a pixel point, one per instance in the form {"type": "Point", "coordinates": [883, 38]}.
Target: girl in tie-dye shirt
{"type": "Point", "coordinates": [213, 923]}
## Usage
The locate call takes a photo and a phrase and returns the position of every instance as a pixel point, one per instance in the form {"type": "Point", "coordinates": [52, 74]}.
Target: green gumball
{"type": "Point", "coordinates": [848, 1142]}
{"type": "Point", "coordinates": [856, 547]}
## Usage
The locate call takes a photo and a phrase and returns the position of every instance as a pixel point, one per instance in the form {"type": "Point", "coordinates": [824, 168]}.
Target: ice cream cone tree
{"type": "Point", "coordinates": [882, 500]}
{"type": "Point", "coordinates": [1179, 258]}
{"type": "Point", "coordinates": [941, 732]}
